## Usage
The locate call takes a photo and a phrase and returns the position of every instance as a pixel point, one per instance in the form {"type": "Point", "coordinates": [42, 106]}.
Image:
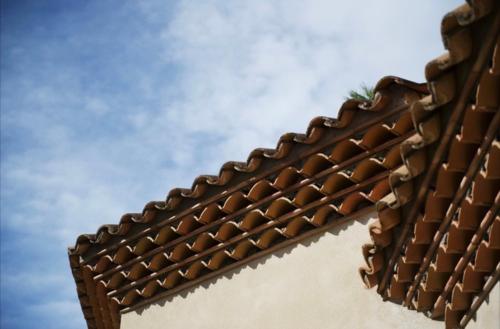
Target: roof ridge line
{"type": "Point", "coordinates": [175, 196]}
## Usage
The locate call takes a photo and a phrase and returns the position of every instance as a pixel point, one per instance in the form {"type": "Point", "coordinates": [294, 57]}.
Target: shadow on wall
{"type": "Point", "coordinates": [286, 250]}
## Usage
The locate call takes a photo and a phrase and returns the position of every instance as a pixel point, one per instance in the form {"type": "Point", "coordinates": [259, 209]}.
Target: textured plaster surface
{"type": "Point", "coordinates": [314, 284]}
{"type": "Point", "coordinates": [488, 315]}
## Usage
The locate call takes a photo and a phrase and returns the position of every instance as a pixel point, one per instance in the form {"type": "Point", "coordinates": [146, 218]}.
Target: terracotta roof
{"type": "Point", "coordinates": [436, 244]}
{"type": "Point", "coordinates": [425, 156]}
{"type": "Point", "coordinates": [334, 172]}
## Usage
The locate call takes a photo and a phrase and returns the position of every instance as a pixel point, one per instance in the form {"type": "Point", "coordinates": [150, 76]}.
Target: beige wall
{"type": "Point", "coordinates": [312, 285]}
{"type": "Point", "coordinates": [488, 315]}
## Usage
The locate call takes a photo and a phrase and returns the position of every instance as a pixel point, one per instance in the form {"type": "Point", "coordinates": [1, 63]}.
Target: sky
{"type": "Point", "coordinates": [106, 105]}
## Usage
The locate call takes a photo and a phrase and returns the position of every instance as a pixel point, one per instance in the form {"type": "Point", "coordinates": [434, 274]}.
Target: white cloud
{"type": "Point", "coordinates": [252, 71]}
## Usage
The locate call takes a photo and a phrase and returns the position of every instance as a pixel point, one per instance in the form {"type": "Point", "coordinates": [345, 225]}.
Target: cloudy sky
{"type": "Point", "coordinates": [106, 105]}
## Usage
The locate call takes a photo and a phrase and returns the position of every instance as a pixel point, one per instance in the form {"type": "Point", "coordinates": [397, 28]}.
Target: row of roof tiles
{"type": "Point", "coordinates": [441, 181]}
{"type": "Point", "coordinates": [288, 143]}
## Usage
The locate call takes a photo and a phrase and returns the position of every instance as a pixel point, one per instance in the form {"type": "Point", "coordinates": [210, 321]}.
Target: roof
{"type": "Point", "coordinates": [436, 245]}
{"type": "Point", "coordinates": [425, 156]}
{"type": "Point", "coordinates": [334, 172]}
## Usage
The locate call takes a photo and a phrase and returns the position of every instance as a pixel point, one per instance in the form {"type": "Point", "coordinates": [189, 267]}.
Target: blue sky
{"type": "Point", "coordinates": [106, 105]}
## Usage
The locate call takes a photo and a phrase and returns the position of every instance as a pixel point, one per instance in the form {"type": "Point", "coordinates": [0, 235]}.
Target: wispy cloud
{"type": "Point", "coordinates": [108, 105]}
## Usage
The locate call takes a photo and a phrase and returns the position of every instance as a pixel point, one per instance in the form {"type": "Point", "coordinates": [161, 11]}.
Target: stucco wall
{"type": "Point", "coordinates": [312, 285]}
{"type": "Point", "coordinates": [488, 315]}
